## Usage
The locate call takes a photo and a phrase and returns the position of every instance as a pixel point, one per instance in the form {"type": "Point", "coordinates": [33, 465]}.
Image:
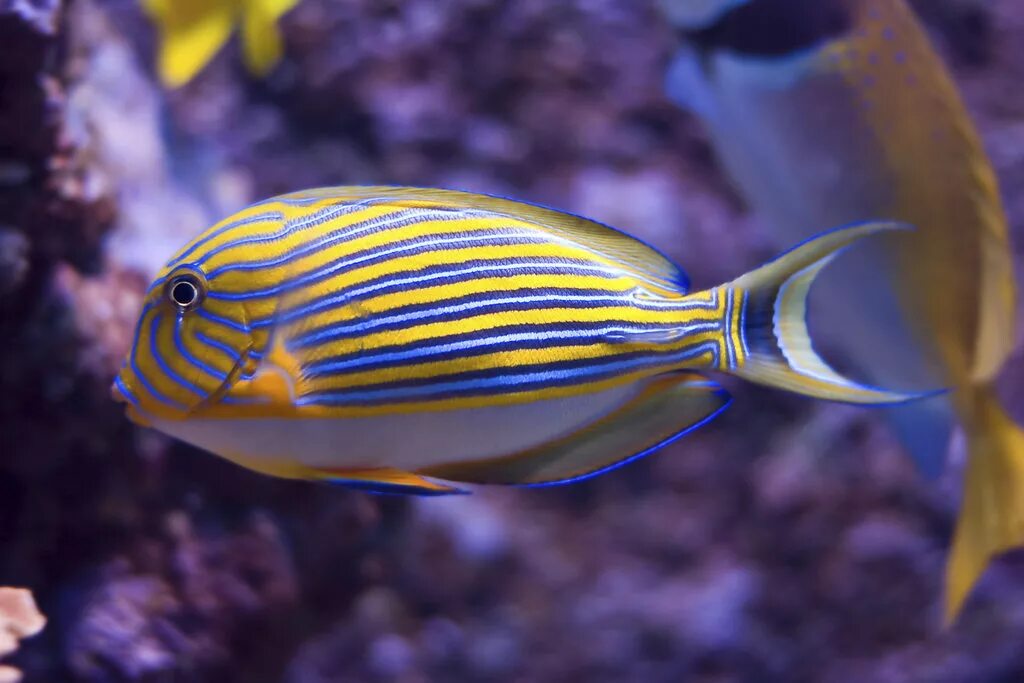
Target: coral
{"type": "Point", "coordinates": [19, 619]}
{"type": "Point", "coordinates": [176, 606]}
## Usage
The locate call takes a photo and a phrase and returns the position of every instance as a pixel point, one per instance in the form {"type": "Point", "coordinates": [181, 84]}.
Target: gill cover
{"type": "Point", "coordinates": [185, 353]}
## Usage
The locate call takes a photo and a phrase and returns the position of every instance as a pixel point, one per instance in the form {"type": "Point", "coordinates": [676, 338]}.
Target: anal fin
{"type": "Point", "coordinates": [372, 479]}
{"type": "Point", "coordinates": [385, 480]}
{"type": "Point", "coordinates": [668, 407]}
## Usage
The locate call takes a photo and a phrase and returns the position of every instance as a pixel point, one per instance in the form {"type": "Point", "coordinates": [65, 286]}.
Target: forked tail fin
{"type": "Point", "coordinates": [992, 513]}
{"type": "Point", "coordinates": [776, 342]}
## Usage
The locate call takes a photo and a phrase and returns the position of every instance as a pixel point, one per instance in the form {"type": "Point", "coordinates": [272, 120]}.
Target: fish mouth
{"type": "Point", "coordinates": [120, 392]}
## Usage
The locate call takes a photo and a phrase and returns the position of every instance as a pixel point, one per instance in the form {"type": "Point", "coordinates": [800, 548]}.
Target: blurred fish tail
{"type": "Point", "coordinates": [924, 428]}
{"type": "Point", "coordinates": [776, 343]}
{"type": "Point", "coordinates": [992, 514]}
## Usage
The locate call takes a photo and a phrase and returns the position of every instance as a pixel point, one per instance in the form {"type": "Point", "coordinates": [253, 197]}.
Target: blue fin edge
{"type": "Point", "coordinates": [636, 456]}
{"type": "Point", "coordinates": [385, 489]}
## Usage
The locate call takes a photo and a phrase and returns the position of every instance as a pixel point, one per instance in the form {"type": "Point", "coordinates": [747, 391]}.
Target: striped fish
{"type": "Point", "coordinates": [389, 337]}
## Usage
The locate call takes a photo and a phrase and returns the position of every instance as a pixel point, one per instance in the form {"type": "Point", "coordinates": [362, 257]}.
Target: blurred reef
{"type": "Point", "coordinates": [788, 541]}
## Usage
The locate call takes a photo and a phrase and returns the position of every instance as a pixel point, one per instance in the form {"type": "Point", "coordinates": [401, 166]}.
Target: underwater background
{"type": "Point", "coordinates": [789, 540]}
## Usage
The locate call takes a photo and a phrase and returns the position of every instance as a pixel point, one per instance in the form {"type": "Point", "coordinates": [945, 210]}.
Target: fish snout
{"type": "Point", "coordinates": [121, 392]}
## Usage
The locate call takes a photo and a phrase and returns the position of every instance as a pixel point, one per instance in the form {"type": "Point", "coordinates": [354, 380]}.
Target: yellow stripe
{"type": "Point", "coordinates": [293, 239]}
{"type": "Point", "coordinates": [584, 231]}
{"type": "Point", "coordinates": [486, 321]}
{"type": "Point", "coordinates": [348, 248]}
{"type": "Point", "coordinates": [256, 412]}
{"type": "Point", "coordinates": [247, 212]}
{"type": "Point", "coordinates": [735, 330]}
{"type": "Point", "coordinates": [241, 281]}
{"type": "Point", "coordinates": [499, 359]}
{"type": "Point", "coordinates": [387, 303]}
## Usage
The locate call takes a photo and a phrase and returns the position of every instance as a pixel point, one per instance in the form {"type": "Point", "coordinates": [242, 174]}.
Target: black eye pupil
{"type": "Point", "coordinates": [184, 293]}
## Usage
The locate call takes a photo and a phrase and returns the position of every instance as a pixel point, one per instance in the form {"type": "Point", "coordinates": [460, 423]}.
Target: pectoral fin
{"type": "Point", "coordinates": [667, 408]}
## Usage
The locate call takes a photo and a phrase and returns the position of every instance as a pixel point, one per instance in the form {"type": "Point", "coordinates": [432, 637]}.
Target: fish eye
{"type": "Point", "coordinates": [185, 291]}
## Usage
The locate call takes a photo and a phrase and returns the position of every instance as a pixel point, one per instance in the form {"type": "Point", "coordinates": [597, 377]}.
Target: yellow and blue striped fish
{"type": "Point", "coordinates": [388, 337]}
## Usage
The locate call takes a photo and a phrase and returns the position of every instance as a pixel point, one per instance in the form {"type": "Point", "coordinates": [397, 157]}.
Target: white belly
{"type": "Point", "coordinates": [408, 441]}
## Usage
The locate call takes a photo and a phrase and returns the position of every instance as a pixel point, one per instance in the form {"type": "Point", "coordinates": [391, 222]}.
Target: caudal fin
{"type": "Point", "coordinates": [992, 514]}
{"type": "Point", "coordinates": [773, 328]}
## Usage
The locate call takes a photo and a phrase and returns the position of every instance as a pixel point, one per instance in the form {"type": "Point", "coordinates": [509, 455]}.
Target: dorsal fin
{"type": "Point", "coordinates": [598, 237]}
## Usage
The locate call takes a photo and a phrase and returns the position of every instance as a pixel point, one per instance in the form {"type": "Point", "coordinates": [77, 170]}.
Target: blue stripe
{"type": "Point", "coordinates": [125, 391]}
{"type": "Point", "coordinates": [438, 276]}
{"type": "Point", "coordinates": [347, 233]}
{"type": "Point", "coordinates": [484, 382]}
{"type": "Point", "coordinates": [134, 365]}
{"type": "Point", "coordinates": [481, 304]}
{"type": "Point", "coordinates": [412, 247]}
{"type": "Point", "coordinates": [483, 342]}
{"type": "Point", "coordinates": [290, 226]}
{"type": "Point", "coordinates": [250, 220]}
{"type": "Point", "coordinates": [224, 348]}
{"type": "Point", "coordinates": [674, 276]}
{"type": "Point", "coordinates": [477, 304]}
{"type": "Point", "coordinates": [604, 331]}
{"type": "Point", "coordinates": [236, 357]}
{"type": "Point", "coordinates": [226, 322]}
{"type": "Point", "coordinates": [187, 355]}
{"type": "Point", "coordinates": [154, 349]}
{"type": "Point", "coordinates": [743, 324]}
{"type": "Point", "coordinates": [730, 352]}
{"type": "Point", "coordinates": [254, 356]}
